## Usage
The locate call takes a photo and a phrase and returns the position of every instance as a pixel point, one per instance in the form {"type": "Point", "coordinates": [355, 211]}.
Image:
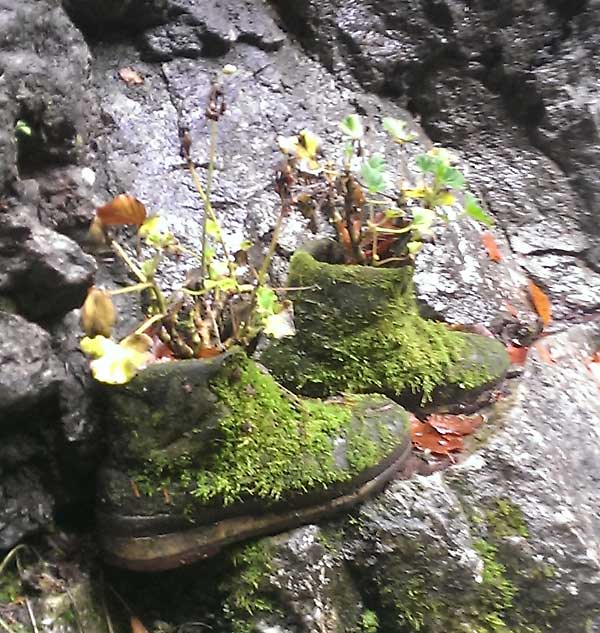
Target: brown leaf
{"type": "Point", "coordinates": [98, 314]}
{"type": "Point", "coordinates": [447, 423]}
{"type": "Point", "coordinates": [541, 303]}
{"type": "Point", "coordinates": [517, 355]}
{"type": "Point", "coordinates": [96, 234]}
{"type": "Point", "coordinates": [426, 438]}
{"type": "Point", "coordinates": [137, 626]}
{"type": "Point", "coordinates": [491, 247]}
{"type": "Point", "coordinates": [122, 209]}
{"type": "Point", "coordinates": [544, 353]}
{"type": "Point", "coordinates": [131, 77]}
{"type": "Point", "coordinates": [135, 489]}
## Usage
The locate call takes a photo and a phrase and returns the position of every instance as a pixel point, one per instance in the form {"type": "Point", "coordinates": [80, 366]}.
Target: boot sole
{"type": "Point", "coordinates": [174, 549]}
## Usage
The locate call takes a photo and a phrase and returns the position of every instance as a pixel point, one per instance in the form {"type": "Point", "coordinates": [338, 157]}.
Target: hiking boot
{"type": "Point", "coordinates": [204, 453]}
{"type": "Point", "coordinates": [359, 330]}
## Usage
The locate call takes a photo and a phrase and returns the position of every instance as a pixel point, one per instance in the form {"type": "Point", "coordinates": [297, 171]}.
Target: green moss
{"type": "Point", "coordinates": [369, 622]}
{"type": "Point", "coordinates": [359, 330]}
{"type": "Point", "coordinates": [270, 444]}
{"type": "Point", "coordinates": [10, 586]}
{"type": "Point", "coordinates": [246, 598]}
{"type": "Point", "coordinates": [506, 519]}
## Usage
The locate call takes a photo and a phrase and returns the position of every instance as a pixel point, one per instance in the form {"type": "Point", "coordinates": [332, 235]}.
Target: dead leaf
{"type": "Point", "coordinates": [447, 423]}
{"type": "Point", "coordinates": [209, 352]}
{"type": "Point", "coordinates": [122, 209]}
{"type": "Point", "coordinates": [137, 626]}
{"type": "Point", "coordinates": [544, 353]}
{"type": "Point", "coordinates": [541, 303]}
{"type": "Point", "coordinates": [491, 246]}
{"type": "Point", "coordinates": [426, 438]}
{"type": "Point", "coordinates": [517, 355]}
{"type": "Point", "coordinates": [131, 77]}
{"type": "Point", "coordinates": [98, 314]}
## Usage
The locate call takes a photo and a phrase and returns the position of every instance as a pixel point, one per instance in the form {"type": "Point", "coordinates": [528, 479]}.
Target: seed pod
{"type": "Point", "coordinates": [98, 314]}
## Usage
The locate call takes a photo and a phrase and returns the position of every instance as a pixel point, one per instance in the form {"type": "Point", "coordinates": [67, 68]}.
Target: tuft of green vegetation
{"type": "Point", "coordinates": [246, 598]}
{"type": "Point", "coordinates": [268, 444]}
{"type": "Point", "coordinates": [369, 621]}
{"type": "Point", "coordinates": [359, 330]}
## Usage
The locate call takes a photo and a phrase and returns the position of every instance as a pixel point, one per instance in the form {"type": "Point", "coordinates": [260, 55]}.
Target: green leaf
{"type": "Point", "coordinates": [155, 232]}
{"type": "Point", "coordinates": [266, 300]}
{"type": "Point", "coordinates": [397, 130]}
{"type": "Point", "coordinates": [212, 228]}
{"type": "Point", "coordinates": [373, 174]}
{"type": "Point", "coordinates": [473, 210]}
{"type": "Point", "coordinates": [414, 247]}
{"type": "Point", "coordinates": [22, 127]}
{"type": "Point", "coordinates": [423, 219]}
{"type": "Point", "coordinates": [148, 267]}
{"type": "Point", "coordinates": [450, 177]}
{"type": "Point", "coordinates": [352, 126]}
{"type": "Point", "coordinates": [425, 163]}
{"type": "Point", "coordinates": [117, 363]}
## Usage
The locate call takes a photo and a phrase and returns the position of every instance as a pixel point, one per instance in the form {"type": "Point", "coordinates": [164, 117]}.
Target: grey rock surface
{"type": "Point", "coordinates": [46, 273]}
{"type": "Point", "coordinates": [29, 371]}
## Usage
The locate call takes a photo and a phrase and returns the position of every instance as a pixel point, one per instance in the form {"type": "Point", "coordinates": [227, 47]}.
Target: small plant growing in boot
{"type": "Point", "coordinates": [378, 221]}
{"type": "Point", "coordinates": [215, 309]}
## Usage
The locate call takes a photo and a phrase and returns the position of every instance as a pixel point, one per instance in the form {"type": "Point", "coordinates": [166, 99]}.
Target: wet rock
{"type": "Point", "coordinates": [98, 16]}
{"type": "Point", "coordinates": [210, 31]}
{"type": "Point", "coordinates": [45, 63]}
{"type": "Point", "coordinates": [45, 272]}
{"type": "Point", "coordinates": [304, 585]}
{"type": "Point", "coordinates": [29, 370]}
{"type": "Point", "coordinates": [25, 505]}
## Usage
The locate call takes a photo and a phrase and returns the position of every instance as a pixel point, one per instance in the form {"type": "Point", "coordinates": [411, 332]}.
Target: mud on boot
{"type": "Point", "coordinates": [204, 453]}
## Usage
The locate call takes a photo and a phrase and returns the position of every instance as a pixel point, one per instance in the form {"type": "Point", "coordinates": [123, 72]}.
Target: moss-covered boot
{"type": "Point", "coordinates": [204, 453]}
{"type": "Point", "coordinates": [359, 330]}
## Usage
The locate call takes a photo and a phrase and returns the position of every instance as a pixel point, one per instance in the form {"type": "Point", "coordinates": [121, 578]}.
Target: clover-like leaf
{"type": "Point", "coordinates": [474, 210]}
{"type": "Point", "coordinates": [117, 363]}
{"type": "Point", "coordinates": [155, 231]}
{"type": "Point", "coordinates": [266, 300]}
{"type": "Point", "coordinates": [396, 128]}
{"type": "Point", "coordinates": [22, 127]}
{"type": "Point", "coordinates": [423, 220]}
{"type": "Point", "coordinates": [373, 174]}
{"type": "Point", "coordinates": [352, 126]}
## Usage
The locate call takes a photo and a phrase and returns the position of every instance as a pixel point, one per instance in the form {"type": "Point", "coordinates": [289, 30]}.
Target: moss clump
{"type": "Point", "coordinates": [359, 330]}
{"type": "Point", "coordinates": [505, 519]}
{"type": "Point", "coordinates": [246, 599]}
{"type": "Point", "coordinates": [369, 622]}
{"type": "Point", "coordinates": [270, 444]}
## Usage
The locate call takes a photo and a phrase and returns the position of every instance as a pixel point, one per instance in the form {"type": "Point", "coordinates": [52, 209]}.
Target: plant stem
{"type": "Point", "coordinates": [135, 288]}
{"type": "Point", "coordinates": [148, 322]}
{"type": "Point", "coordinates": [211, 215]}
{"type": "Point", "coordinates": [136, 270]}
{"type": "Point", "coordinates": [374, 255]}
{"type": "Point", "coordinates": [206, 197]}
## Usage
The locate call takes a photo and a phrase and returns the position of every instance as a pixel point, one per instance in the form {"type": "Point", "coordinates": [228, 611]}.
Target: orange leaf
{"type": "Point", "coordinates": [426, 438]}
{"type": "Point", "coordinates": [541, 303]}
{"type": "Point", "coordinates": [516, 354]}
{"type": "Point", "coordinates": [209, 352]}
{"type": "Point", "coordinates": [544, 353]}
{"type": "Point", "coordinates": [131, 77]}
{"type": "Point", "coordinates": [137, 626]}
{"type": "Point", "coordinates": [122, 209]}
{"type": "Point", "coordinates": [491, 247]}
{"type": "Point", "coordinates": [447, 423]}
